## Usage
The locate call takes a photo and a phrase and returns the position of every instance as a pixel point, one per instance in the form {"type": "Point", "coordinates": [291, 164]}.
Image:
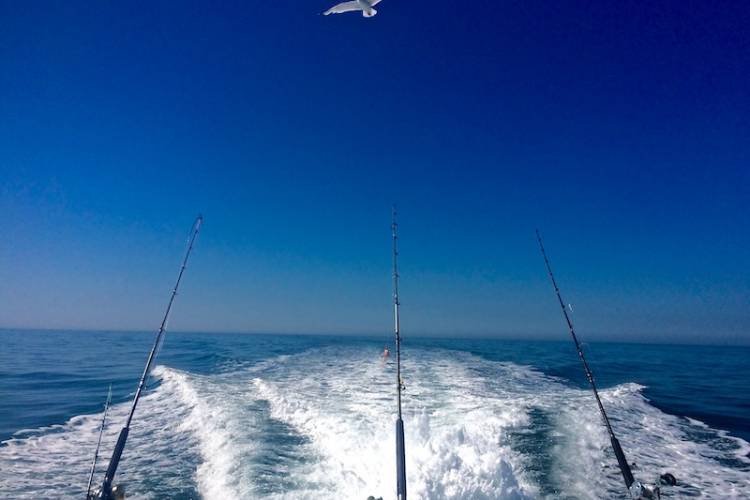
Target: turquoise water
{"type": "Point", "coordinates": [255, 416]}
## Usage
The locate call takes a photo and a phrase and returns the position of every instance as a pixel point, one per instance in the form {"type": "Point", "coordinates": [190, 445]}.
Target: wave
{"type": "Point", "coordinates": [321, 423]}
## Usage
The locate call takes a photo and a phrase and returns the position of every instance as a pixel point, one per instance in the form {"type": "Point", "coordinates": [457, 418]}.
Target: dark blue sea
{"type": "Point", "coordinates": [297, 417]}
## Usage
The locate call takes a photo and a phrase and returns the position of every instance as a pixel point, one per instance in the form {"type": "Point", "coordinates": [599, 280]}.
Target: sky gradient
{"type": "Point", "coordinates": [620, 130]}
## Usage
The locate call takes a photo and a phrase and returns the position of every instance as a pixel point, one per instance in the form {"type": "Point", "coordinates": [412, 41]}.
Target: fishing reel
{"type": "Point", "coordinates": [116, 493]}
{"type": "Point", "coordinates": [641, 491]}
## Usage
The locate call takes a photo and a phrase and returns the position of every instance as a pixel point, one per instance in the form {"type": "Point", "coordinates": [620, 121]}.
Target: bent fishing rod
{"type": "Point", "coordinates": [627, 474]}
{"type": "Point", "coordinates": [106, 490]}
{"type": "Point", "coordinates": [400, 451]}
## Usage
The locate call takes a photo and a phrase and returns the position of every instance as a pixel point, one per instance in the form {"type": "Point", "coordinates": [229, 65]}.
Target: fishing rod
{"type": "Point", "coordinates": [99, 442]}
{"type": "Point", "coordinates": [106, 491]}
{"type": "Point", "coordinates": [627, 474]}
{"type": "Point", "coordinates": [400, 451]}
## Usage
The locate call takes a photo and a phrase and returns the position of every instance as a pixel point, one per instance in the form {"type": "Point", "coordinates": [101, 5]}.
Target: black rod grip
{"type": "Point", "coordinates": [106, 492]}
{"type": "Point", "coordinates": [400, 461]}
{"type": "Point", "coordinates": [627, 474]}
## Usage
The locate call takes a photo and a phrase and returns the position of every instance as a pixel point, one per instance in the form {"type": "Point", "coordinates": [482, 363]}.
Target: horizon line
{"type": "Point", "coordinates": [451, 336]}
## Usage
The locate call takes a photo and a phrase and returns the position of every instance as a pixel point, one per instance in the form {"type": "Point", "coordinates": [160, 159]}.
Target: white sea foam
{"type": "Point", "coordinates": [54, 462]}
{"type": "Point", "coordinates": [321, 424]}
{"type": "Point", "coordinates": [654, 441]}
{"type": "Point", "coordinates": [347, 410]}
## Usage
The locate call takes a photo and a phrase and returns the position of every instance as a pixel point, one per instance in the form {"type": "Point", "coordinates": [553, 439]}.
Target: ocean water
{"type": "Point", "coordinates": [255, 416]}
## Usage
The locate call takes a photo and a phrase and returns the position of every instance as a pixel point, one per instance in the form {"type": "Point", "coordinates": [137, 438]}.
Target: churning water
{"type": "Point", "coordinates": [232, 416]}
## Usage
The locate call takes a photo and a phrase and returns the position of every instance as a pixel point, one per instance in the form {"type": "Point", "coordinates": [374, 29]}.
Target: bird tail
{"type": "Point", "coordinates": [369, 12]}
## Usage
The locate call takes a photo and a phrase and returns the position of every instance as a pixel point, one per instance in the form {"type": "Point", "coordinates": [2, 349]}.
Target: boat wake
{"type": "Point", "coordinates": [321, 424]}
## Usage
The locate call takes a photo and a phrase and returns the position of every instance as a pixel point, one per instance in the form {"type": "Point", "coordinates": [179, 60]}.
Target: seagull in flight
{"type": "Point", "coordinates": [366, 6]}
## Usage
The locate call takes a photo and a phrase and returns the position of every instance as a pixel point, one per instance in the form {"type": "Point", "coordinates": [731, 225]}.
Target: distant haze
{"type": "Point", "coordinates": [619, 130]}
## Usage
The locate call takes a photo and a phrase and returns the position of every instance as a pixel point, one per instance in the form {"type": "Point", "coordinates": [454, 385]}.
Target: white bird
{"type": "Point", "coordinates": [364, 5]}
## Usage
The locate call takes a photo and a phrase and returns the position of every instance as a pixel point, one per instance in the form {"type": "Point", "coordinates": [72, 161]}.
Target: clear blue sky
{"type": "Point", "coordinates": [620, 129]}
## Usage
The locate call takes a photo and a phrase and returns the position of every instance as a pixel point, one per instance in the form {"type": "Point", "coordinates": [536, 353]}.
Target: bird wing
{"type": "Point", "coordinates": [343, 7]}
{"type": "Point", "coordinates": [373, 3]}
